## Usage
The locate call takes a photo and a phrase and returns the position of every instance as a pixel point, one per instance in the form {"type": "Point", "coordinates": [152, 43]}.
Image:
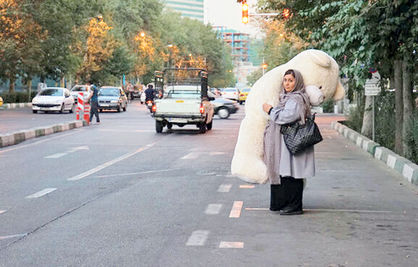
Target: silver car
{"type": "Point", "coordinates": [112, 97]}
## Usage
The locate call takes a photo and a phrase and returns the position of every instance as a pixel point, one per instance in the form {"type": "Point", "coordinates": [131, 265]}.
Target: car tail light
{"type": "Point", "coordinates": [241, 95]}
{"type": "Point", "coordinates": [154, 108]}
{"type": "Point", "coordinates": [202, 109]}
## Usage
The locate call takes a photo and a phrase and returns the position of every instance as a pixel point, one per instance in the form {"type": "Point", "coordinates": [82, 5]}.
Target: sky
{"type": "Point", "coordinates": [228, 13]}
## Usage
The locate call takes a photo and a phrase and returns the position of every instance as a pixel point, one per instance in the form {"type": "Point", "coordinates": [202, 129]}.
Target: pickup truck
{"type": "Point", "coordinates": [181, 105]}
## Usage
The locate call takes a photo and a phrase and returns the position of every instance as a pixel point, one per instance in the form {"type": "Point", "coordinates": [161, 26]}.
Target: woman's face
{"type": "Point", "coordinates": [289, 83]}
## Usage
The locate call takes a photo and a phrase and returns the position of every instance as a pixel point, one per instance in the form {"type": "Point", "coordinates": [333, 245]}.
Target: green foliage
{"type": "Point", "coordinates": [16, 97]}
{"type": "Point", "coordinates": [328, 106]}
{"type": "Point", "coordinates": [254, 76]}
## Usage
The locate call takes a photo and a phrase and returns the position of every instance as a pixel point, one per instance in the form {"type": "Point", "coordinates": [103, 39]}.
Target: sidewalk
{"type": "Point", "coordinates": [358, 212]}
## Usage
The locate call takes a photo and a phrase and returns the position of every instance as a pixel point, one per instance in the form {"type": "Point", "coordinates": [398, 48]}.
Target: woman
{"type": "Point", "coordinates": [286, 171]}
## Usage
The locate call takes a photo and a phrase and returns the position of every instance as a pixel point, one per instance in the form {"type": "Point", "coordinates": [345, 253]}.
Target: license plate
{"type": "Point", "coordinates": [179, 101]}
{"type": "Point", "coordinates": [104, 105]}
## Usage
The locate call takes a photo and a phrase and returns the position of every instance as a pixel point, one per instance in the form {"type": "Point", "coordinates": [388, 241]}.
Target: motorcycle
{"type": "Point", "coordinates": [149, 104]}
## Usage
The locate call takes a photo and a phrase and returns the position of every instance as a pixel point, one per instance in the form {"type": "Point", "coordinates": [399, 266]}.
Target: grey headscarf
{"type": "Point", "coordinates": [298, 94]}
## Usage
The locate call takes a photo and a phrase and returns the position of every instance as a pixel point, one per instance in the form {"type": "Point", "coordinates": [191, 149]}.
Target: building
{"type": "Point", "coordinates": [188, 8]}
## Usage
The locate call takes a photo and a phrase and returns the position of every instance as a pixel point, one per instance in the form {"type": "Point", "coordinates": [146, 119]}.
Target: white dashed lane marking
{"type": "Point", "coordinates": [109, 163]}
{"type": "Point", "coordinates": [42, 193]}
{"type": "Point", "coordinates": [191, 155]}
{"type": "Point", "coordinates": [213, 209]}
{"type": "Point", "coordinates": [11, 236]}
{"type": "Point", "coordinates": [246, 186]}
{"type": "Point", "coordinates": [236, 209]}
{"type": "Point", "coordinates": [56, 156]}
{"type": "Point", "coordinates": [198, 238]}
{"type": "Point", "coordinates": [2, 211]}
{"type": "Point", "coordinates": [224, 188]}
{"type": "Point", "coordinates": [224, 244]}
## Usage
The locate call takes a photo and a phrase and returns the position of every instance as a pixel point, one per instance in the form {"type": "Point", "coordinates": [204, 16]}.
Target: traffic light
{"type": "Point", "coordinates": [244, 12]}
{"type": "Point", "coordinates": [286, 13]}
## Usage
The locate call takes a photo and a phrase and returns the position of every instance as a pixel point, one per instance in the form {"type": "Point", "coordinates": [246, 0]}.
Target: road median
{"type": "Point", "coordinates": [403, 166]}
{"type": "Point", "coordinates": [17, 137]}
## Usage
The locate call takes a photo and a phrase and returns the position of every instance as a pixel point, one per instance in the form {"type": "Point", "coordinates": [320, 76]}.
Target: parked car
{"type": "Point", "coordinates": [243, 95]}
{"type": "Point", "coordinates": [53, 99]}
{"type": "Point", "coordinates": [80, 88]}
{"type": "Point", "coordinates": [224, 107]}
{"type": "Point", "coordinates": [230, 93]}
{"type": "Point", "coordinates": [112, 97]}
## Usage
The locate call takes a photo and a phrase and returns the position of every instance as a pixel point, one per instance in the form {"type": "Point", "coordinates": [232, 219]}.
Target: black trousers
{"type": "Point", "coordinates": [94, 110]}
{"type": "Point", "coordinates": [288, 194]}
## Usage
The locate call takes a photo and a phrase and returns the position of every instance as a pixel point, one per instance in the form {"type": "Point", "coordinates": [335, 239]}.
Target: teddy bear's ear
{"type": "Point", "coordinates": [320, 58]}
{"type": "Point", "coordinates": [339, 92]}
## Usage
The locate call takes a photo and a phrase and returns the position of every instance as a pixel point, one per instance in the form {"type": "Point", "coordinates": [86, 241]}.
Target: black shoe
{"type": "Point", "coordinates": [291, 211]}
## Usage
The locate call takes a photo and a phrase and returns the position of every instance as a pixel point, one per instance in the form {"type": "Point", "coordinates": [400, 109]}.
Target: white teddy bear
{"type": "Point", "coordinates": [319, 71]}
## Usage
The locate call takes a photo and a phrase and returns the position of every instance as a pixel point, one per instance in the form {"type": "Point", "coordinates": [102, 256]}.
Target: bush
{"type": "Point", "coordinates": [355, 118]}
{"type": "Point", "coordinates": [17, 97]}
{"type": "Point", "coordinates": [328, 106]}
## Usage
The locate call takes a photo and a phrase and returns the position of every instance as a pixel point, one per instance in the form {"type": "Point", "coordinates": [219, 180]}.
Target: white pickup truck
{"type": "Point", "coordinates": [181, 105]}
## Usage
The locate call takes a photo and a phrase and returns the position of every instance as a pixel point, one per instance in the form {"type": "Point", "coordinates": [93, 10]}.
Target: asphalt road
{"type": "Point", "coordinates": [118, 194]}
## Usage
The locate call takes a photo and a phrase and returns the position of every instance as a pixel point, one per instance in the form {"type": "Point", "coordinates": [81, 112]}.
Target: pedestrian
{"type": "Point", "coordinates": [286, 171]}
{"type": "Point", "coordinates": [130, 90]}
{"type": "Point", "coordinates": [94, 101]}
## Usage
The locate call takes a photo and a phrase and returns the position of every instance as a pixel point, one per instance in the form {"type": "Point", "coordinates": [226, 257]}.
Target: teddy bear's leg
{"type": "Point", "coordinates": [247, 162]}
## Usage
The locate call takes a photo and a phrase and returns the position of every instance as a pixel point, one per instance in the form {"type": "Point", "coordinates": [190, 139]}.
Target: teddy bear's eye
{"type": "Point", "coordinates": [320, 87]}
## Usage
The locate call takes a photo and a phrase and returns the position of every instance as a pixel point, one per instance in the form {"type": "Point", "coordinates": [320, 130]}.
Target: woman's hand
{"type": "Point", "coordinates": [267, 107]}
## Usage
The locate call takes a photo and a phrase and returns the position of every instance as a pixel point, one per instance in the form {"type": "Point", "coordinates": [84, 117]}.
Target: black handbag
{"type": "Point", "coordinates": [298, 137]}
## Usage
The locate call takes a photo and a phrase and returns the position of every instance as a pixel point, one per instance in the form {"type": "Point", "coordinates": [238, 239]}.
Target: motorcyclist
{"type": "Point", "coordinates": [150, 93]}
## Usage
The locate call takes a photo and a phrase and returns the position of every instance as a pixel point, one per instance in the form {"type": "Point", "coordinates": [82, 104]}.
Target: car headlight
{"type": "Point", "coordinates": [114, 101]}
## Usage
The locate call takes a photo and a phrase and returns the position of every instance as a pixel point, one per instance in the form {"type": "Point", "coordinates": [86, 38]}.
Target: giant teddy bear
{"type": "Point", "coordinates": [318, 69]}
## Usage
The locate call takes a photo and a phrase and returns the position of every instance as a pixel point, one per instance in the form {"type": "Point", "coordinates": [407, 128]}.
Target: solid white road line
{"type": "Point", "coordinates": [224, 244]}
{"type": "Point", "coordinates": [213, 209]}
{"type": "Point", "coordinates": [191, 155]}
{"type": "Point", "coordinates": [42, 193]}
{"type": "Point", "coordinates": [109, 163]}
{"type": "Point", "coordinates": [198, 238]}
{"type": "Point", "coordinates": [2, 211]}
{"type": "Point", "coordinates": [11, 236]}
{"type": "Point", "coordinates": [224, 188]}
{"type": "Point", "coordinates": [246, 186]}
{"type": "Point", "coordinates": [216, 153]}
{"type": "Point", "coordinates": [56, 156]}
{"type": "Point", "coordinates": [329, 210]}
{"type": "Point", "coordinates": [236, 209]}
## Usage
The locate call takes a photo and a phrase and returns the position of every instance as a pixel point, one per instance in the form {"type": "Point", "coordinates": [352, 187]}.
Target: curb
{"type": "Point", "coordinates": [400, 164]}
{"type": "Point", "coordinates": [15, 105]}
{"type": "Point", "coordinates": [23, 135]}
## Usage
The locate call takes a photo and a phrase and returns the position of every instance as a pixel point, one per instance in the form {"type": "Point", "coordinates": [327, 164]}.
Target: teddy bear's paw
{"type": "Point", "coordinates": [249, 168]}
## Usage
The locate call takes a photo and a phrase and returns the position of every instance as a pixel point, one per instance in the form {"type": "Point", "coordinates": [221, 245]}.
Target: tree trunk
{"type": "Point", "coordinates": [12, 85]}
{"type": "Point", "coordinates": [29, 84]}
{"type": "Point", "coordinates": [407, 106]}
{"type": "Point", "coordinates": [366, 128]}
{"type": "Point", "coordinates": [397, 66]}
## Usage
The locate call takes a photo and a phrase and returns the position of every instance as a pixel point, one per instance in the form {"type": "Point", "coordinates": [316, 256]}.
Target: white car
{"type": "Point", "coordinates": [230, 93]}
{"type": "Point", "coordinates": [80, 88]}
{"type": "Point", "coordinates": [53, 99]}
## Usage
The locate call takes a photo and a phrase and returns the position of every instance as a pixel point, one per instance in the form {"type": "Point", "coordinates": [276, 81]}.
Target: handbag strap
{"type": "Point", "coordinates": [307, 113]}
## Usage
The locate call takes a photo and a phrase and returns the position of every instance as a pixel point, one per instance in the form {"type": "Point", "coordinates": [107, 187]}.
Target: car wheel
{"type": "Point", "coordinates": [35, 111]}
{"type": "Point", "coordinates": [223, 113]}
{"type": "Point", "coordinates": [169, 126]}
{"type": "Point", "coordinates": [209, 125]}
{"type": "Point", "coordinates": [118, 109]}
{"type": "Point", "coordinates": [62, 108]}
{"type": "Point", "coordinates": [72, 109]}
{"type": "Point", "coordinates": [240, 102]}
{"type": "Point", "coordinates": [100, 110]}
{"type": "Point", "coordinates": [124, 109]}
{"type": "Point", "coordinates": [158, 126]}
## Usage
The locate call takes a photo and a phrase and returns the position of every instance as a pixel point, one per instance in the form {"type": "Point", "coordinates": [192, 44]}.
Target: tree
{"type": "Point", "coordinates": [20, 38]}
{"type": "Point", "coordinates": [362, 35]}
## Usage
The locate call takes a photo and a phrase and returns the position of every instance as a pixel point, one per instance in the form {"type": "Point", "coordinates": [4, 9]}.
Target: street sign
{"type": "Point", "coordinates": [372, 87]}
